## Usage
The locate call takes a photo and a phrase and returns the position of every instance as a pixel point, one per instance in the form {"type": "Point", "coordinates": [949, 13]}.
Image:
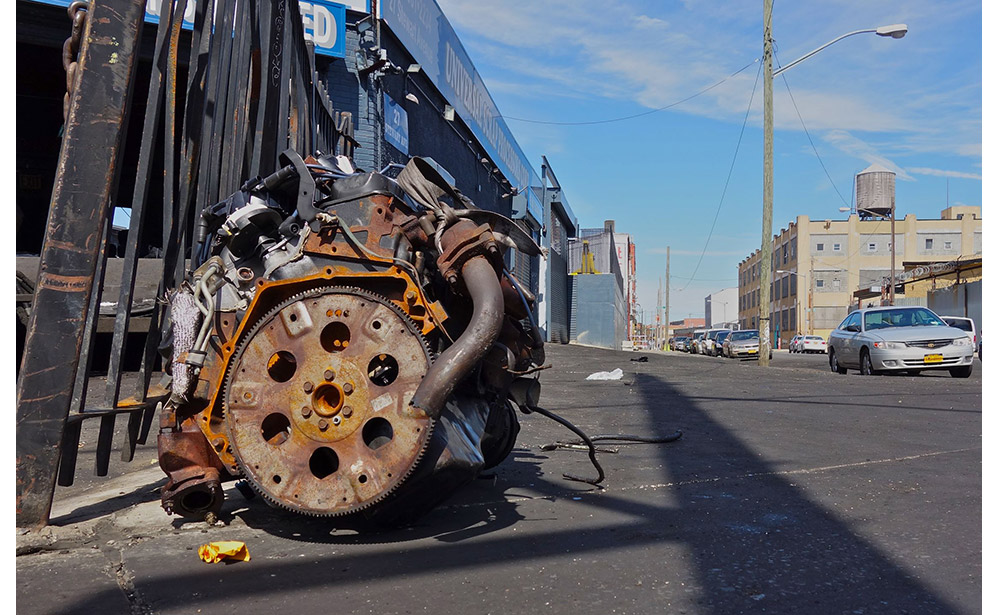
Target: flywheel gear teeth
{"type": "Point", "coordinates": [248, 337]}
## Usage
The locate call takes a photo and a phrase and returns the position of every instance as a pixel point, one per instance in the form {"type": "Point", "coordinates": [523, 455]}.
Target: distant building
{"type": "Point", "coordinates": [720, 309]}
{"type": "Point", "coordinates": [686, 326]}
{"type": "Point", "coordinates": [817, 265]}
{"type": "Point", "coordinates": [627, 259]}
{"type": "Point", "coordinates": [599, 314]}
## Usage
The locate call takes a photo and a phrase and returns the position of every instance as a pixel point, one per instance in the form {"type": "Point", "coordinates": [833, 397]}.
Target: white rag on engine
{"type": "Point", "coordinates": [186, 323]}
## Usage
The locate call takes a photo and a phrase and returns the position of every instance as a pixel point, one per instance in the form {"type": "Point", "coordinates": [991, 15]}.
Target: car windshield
{"type": "Point", "coordinates": [722, 335]}
{"type": "Point", "coordinates": [901, 317]}
{"type": "Point", "coordinates": [738, 336]}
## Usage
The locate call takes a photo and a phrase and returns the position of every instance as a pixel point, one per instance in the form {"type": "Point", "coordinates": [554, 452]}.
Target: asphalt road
{"type": "Point", "coordinates": [792, 490]}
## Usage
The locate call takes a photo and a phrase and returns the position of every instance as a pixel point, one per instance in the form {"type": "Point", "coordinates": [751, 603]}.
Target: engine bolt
{"type": "Point", "coordinates": [308, 387]}
{"type": "Point", "coordinates": [348, 388]}
{"type": "Point", "coordinates": [410, 296]}
{"type": "Point", "coordinates": [336, 420]}
{"type": "Point", "coordinates": [452, 279]}
{"type": "Point", "coordinates": [245, 274]}
{"type": "Point", "coordinates": [328, 374]}
{"type": "Point", "coordinates": [347, 411]}
{"type": "Point", "coordinates": [323, 425]}
{"type": "Point", "coordinates": [306, 411]}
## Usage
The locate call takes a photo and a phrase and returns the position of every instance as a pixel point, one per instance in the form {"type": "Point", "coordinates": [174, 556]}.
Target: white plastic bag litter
{"type": "Point", "coordinates": [616, 374]}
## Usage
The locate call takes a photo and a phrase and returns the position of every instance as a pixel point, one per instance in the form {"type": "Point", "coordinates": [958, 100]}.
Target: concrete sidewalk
{"type": "Point", "coordinates": [792, 490]}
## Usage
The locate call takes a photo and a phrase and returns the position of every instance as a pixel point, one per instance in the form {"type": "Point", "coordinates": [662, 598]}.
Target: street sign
{"type": "Point", "coordinates": [396, 125]}
{"type": "Point", "coordinates": [324, 21]}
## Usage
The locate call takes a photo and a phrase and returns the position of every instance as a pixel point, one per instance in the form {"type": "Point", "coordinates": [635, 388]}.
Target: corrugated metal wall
{"type": "Point", "coordinates": [958, 300]}
{"type": "Point", "coordinates": [561, 296]}
{"type": "Point", "coordinates": [598, 311]}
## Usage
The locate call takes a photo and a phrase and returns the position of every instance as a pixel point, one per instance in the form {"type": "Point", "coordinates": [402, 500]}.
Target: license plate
{"type": "Point", "coordinates": [755, 351]}
{"type": "Point", "coordinates": [933, 358]}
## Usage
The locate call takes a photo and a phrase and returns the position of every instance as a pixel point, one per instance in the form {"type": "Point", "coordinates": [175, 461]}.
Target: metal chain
{"type": "Point", "coordinates": [78, 11]}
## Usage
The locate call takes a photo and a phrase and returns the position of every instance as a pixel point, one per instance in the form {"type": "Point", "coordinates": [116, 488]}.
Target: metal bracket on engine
{"type": "Point", "coordinates": [461, 242]}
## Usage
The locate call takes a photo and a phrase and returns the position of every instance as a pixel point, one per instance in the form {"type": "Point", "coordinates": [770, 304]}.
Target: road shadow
{"type": "Point", "coordinates": [486, 505]}
{"type": "Point", "coordinates": [756, 542]}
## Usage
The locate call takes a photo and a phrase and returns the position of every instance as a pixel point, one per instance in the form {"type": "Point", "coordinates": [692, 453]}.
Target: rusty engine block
{"type": "Point", "coordinates": [346, 342]}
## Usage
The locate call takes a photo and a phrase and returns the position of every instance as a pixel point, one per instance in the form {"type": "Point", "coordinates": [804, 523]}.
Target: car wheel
{"type": "Point", "coordinates": [833, 362]}
{"type": "Point", "coordinates": [866, 363]}
{"type": "Point", "coordinates": [962, 372]}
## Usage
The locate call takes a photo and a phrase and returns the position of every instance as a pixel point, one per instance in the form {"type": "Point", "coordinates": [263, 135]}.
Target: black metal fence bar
{"type": "Point", "coordinates": [251, 92]}
{"type": "Point", "coordinates": [69, 258]}
{"type": "Point", "coordinates": [140, 193]}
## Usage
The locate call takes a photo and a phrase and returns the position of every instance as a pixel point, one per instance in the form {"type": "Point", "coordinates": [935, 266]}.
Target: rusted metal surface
{"type": "Point", "coordinates": [486, 322]}
{"type": "Point", "coordinates": [78, 214]}
{"type": "Point", "coordinates": [317, 401]}
{"type": "Point", "coordinates": [70, 50]}
{"type": "Point", "coordinates": [230, 129]}
{"type": "Point", "coordinates": [299, 336]}
{"type": "Point", "coordinates": [326, 396]}
{"type": "Point", "coordinates": [194, 487]}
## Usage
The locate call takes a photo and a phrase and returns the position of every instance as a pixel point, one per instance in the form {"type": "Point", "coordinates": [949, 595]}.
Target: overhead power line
{"type": "Point", "coordinates": [811, 141]}
{"type": "Point", "coordinates": [636, 115]}
{"type": "Point", "coordinates": [728, 180]}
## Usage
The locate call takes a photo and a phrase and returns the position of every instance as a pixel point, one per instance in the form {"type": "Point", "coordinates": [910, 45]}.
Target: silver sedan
{"type": "Point", "coordinates": [742, 345]}
{"type": "Point", "coordinates": [910, 339]}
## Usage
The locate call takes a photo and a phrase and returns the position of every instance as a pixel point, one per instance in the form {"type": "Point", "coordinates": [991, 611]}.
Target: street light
{"type": "Point", "coordinates": [766, 255]}
{"type": "Point", "coordinates": [894, 31]}
{"type": "Point", "coordinates": [810, 301]}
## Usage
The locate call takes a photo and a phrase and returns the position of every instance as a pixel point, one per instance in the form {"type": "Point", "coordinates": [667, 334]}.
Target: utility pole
{"type": "Point", "coordinates": [810, 299]}
{"type": "Point", "coordinates": [658, 317]}
{"type": "Point", "coordinates": [667, 321]}
{"type": "Point", "coordinates": [766, 252]}
{"type": "Point", "coordinates": [893, 251]}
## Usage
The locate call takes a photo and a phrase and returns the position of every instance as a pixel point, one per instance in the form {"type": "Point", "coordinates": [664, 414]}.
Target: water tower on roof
{"type": "Point", "coordinates": [875, 192]}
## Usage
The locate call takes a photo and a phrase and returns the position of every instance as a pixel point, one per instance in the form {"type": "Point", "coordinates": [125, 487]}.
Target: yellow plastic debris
{"type": "Point", "coordinates": [214, 552]}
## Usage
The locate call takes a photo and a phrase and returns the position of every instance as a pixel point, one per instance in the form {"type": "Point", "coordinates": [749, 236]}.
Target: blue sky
{"type": "Point", "coordinates": [912, 105]}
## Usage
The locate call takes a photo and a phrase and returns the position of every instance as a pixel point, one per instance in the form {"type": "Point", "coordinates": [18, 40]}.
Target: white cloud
{"type": "Point", "coordinates": [859, 148]}
{"type": "Point", "coordinates": [644, 21]}
{"type": "Point", "coordinates": [657, 53]}
{"type": "Point", "coordinates": [942, 173]}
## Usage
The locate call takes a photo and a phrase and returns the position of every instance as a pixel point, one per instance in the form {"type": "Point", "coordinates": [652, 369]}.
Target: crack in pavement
{"type": "Point", "coordinates": [126, 582]}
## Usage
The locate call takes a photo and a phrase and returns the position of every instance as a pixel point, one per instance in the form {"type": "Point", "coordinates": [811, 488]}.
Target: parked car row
{"type": "Point", "coordinates": [908, 339]}
{"type": "Point", "coordinates": [720, 343]}
{"type": "Point", "coordinates": [807, 343]}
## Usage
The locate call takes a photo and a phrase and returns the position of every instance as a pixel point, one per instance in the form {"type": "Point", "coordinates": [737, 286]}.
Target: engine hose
{"type": "Point", "coordinates": [534, 329]}
{"type": "Point", "coordinates": [589, 443]}
{"type": "Point", "coordinates": [464, 354]}
{"type": "Point", "coordinates": [629, 438]}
